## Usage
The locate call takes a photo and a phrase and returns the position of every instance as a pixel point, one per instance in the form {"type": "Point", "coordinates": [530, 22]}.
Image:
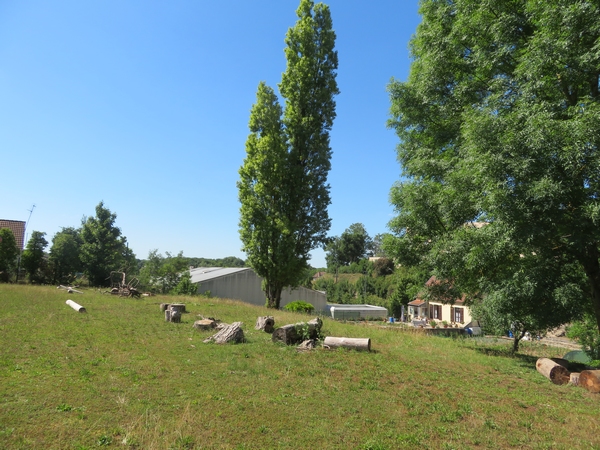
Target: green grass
{"type": "Point", "coordinates": [121, 377]}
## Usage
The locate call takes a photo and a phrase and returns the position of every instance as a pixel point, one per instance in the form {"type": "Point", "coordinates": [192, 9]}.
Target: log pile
{"type": "Point", "coordinates": [556, 370]}
{"type": "Point", "coordinates": [297, 332]}
{"type": "Point", "coordinates": [229, 333]}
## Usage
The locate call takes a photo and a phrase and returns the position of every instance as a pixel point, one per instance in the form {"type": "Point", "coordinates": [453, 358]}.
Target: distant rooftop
{"type": "Point", "coordinates": [18, 229]}
{"type": "Point", "coordinates": [200, 274]}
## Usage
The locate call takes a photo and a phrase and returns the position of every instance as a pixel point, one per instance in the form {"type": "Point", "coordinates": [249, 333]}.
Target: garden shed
{"type": "Point", "coordinates": [242, 283]}
{"type": "Point", "coordinates": [357, 312]}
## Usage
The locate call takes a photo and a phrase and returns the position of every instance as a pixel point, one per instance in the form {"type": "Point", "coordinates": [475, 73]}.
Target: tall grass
{"type": "Point", "coordinates": [119, 376]}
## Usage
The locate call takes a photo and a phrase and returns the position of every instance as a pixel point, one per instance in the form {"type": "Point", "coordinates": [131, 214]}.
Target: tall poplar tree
{"type": "Point", "coordinates": [283, 186]}
{"type": "Point", "coordinates": [499, 124]}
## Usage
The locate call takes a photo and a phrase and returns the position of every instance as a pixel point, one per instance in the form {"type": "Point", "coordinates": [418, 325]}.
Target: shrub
{"type": "Point", "coordinates": [300, 306]}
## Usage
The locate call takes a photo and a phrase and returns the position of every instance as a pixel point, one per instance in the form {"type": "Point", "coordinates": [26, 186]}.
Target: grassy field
{"type": "Point", "coordinates": [121, 377]}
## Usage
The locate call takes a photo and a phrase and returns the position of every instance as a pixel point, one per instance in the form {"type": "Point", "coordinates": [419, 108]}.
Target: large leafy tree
{"type": "Point", "coordinates": [64, 255]}
{"type": "Point", "coordinates": [8, 253]}
{"type": "Point", "coordinates": [33, 259]}
{"type": "Point", "coordinates": [103, 248]}
{"type": "Point", "coordinates": [283, 186]}
{"type": "Point", "coordinates": [498, 123]}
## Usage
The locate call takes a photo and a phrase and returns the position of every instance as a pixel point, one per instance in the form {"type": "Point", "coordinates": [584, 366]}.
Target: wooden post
{"type": "Point", "coordinates": [590, 379]}
{"type": "Point", "coordinates": [361, 344]}
{"type": "Point", "coordinates": [75, 306]}
{"type": "Point", "coordinates": [553, 371]}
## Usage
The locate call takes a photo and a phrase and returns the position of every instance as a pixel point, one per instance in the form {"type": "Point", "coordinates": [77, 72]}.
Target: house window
{"type": "Point", "coordinates": [458, 315]}
{"type": "Point", "coordinates": [435, 312]}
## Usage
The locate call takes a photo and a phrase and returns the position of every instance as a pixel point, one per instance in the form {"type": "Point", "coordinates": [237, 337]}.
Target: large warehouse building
{"type": "Point", "coordinates": [242, 283]}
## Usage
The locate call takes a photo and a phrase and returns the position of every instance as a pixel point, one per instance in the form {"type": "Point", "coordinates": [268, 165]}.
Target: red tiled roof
{"type": "Point", "coordinates": [417, 302]}
{"type": "Point", "coordinates": [18, 229]}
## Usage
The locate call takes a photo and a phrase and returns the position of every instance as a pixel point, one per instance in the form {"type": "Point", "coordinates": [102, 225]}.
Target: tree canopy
{"type": "Point", "coordinates": [283, 187]}
{"type": "Point", "coordinates": [498, 126]}
{"type": "Point", "coordinates": [103, 248]}
{"type": "Point", "coordinates": [8, 253]}
{"type": "Point", "coordinates": [64, 255]}
{"type": "Point", "coordinates": [33, 259]}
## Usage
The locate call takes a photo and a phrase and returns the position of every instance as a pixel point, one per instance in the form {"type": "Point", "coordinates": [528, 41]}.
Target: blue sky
{"type": "Point", "coordinates": [145, 105]}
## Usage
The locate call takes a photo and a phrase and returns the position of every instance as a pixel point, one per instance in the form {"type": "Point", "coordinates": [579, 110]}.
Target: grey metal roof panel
{"type": "Point", "coordinates": [201, 274]}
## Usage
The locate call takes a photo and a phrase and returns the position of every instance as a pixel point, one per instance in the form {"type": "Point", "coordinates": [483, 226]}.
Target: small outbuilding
{"type": "Point", "coordinates": [357, 312]}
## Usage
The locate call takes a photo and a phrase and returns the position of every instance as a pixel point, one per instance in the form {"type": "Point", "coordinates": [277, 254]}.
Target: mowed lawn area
{"type": "Point", "coordinates": [119, 376]}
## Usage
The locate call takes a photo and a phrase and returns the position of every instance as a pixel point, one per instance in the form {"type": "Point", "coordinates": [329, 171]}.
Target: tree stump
{"type": "Point", "coordinates": [297, 332]}
{"type": "Point", "coordinates": [574, 378]}
{"type": "Point", "coordinates": [590, 380]}
{"type": "Point", "coordinates": [231, 333]}
{"type": "Point", "coordinates": [360, 344]}
{"type": "Point", "coordinates": [173, 315]}
{"type": "Point", "coordinates": [265, 323]}
{"type": "Point", "coordinates": [205, 324]}
{"type": "Point", "coordinates": [553, 371]}
{"type": "Point", "coordinates": [309, 344]}
{"type": "Point", "coordinates": [164, 307]}
{"type": "Point", "coordinates": [177, 307]}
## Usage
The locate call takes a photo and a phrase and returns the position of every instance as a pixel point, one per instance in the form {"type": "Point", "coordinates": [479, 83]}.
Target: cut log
{"type": "Point", "coordinates": [590, 380]}
{"type": "Point", "coordinates": [553, 371]}
{"type": "Point", "coordinates": [231, 333]}
{"type": "Point", "coordinates": [75, 306]}
{"type": "Point", "coordinates": [309, 344]}
{"type": "Point", "coordinates": [361, 344]}
{"type": "Point", "coordinates": [164, 307]}
{"type": "Point", "coordinates": [205, 324]}
{"type": "Point", "coordinates": [177, 307]}
{"type": "Point", "coordinates": [265, 323]}
{"type": "Point", "coordinates": [574, 379]}
{"type": "Point", "coordinates": [297, 332]}
{"type": "Point", "coordinates": [173, 315]}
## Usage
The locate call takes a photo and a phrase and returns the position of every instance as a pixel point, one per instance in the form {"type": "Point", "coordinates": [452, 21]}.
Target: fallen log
{"type": "Point", "coordinates": [574, 378]}
{"type": "Point", "coordinates": [297, 332]}
{"type": "Point", "coordinates": [75, 306]}
{"type": "Point", "coordinates": [69, 289]}
{"type": "Point", "coordinates": [265, 323]}
{"type": "Point", "coordinates": [360, 344]}
{"type": "Point", "coordinates": [590, 380]}
{"type": "Point", "coordinates": [230, 333]}
{"type": "Point", "coordinates": [553, 371]}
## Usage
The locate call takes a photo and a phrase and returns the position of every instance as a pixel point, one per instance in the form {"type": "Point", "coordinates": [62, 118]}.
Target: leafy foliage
{"type": "Point", "coordinates": [64, 255]}
{"type": "Point", "coordinates": [586, 333]}
{"type": "Point", "coordinates": [103, 248]}
{"type": "Point", "coordinates": [299, 306]}
{"type": "Point", "coordinates": [185, 285]}
{"type": "Point", "coordinates": [33, 259]}
{"type": "Point", "coordinates": [283, 187]}
{"type": "Point", "coordinates": [498, 126]}
{"type": "Point", "coordinates": [353, 245]}
{"type": "Point", "coordinates": [8, 253]}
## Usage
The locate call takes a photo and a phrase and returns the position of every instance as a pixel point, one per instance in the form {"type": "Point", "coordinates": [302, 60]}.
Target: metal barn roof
{"type": "Point", "coordinates": [200, 274]}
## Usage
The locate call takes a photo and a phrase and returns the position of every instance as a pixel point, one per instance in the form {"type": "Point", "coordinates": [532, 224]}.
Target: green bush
{"type": "Point", "coordinates": [299, 306]}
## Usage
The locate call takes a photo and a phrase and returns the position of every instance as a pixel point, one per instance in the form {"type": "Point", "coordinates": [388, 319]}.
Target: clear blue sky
{"type": "Point", "coordinates": [145, 105]}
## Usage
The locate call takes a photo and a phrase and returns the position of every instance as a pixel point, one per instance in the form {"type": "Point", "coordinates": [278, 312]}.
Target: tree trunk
{"type": "Point", "coordinates": [363, 344]}
{"type": "Point", "coordinates": [298, 332]}
{"type": "Point", "coordinates": [273, 297]}
{"type": "Point", "coordinates": [590, 379]}
{"type": "Point", "coordinates": [553, 371]}
{"type": "Point", "coordinates": [177, 307]}
{"type": "Point", "coordinates": [265, 323]}
{"type": "Point", "coordinates": [230, 333]}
